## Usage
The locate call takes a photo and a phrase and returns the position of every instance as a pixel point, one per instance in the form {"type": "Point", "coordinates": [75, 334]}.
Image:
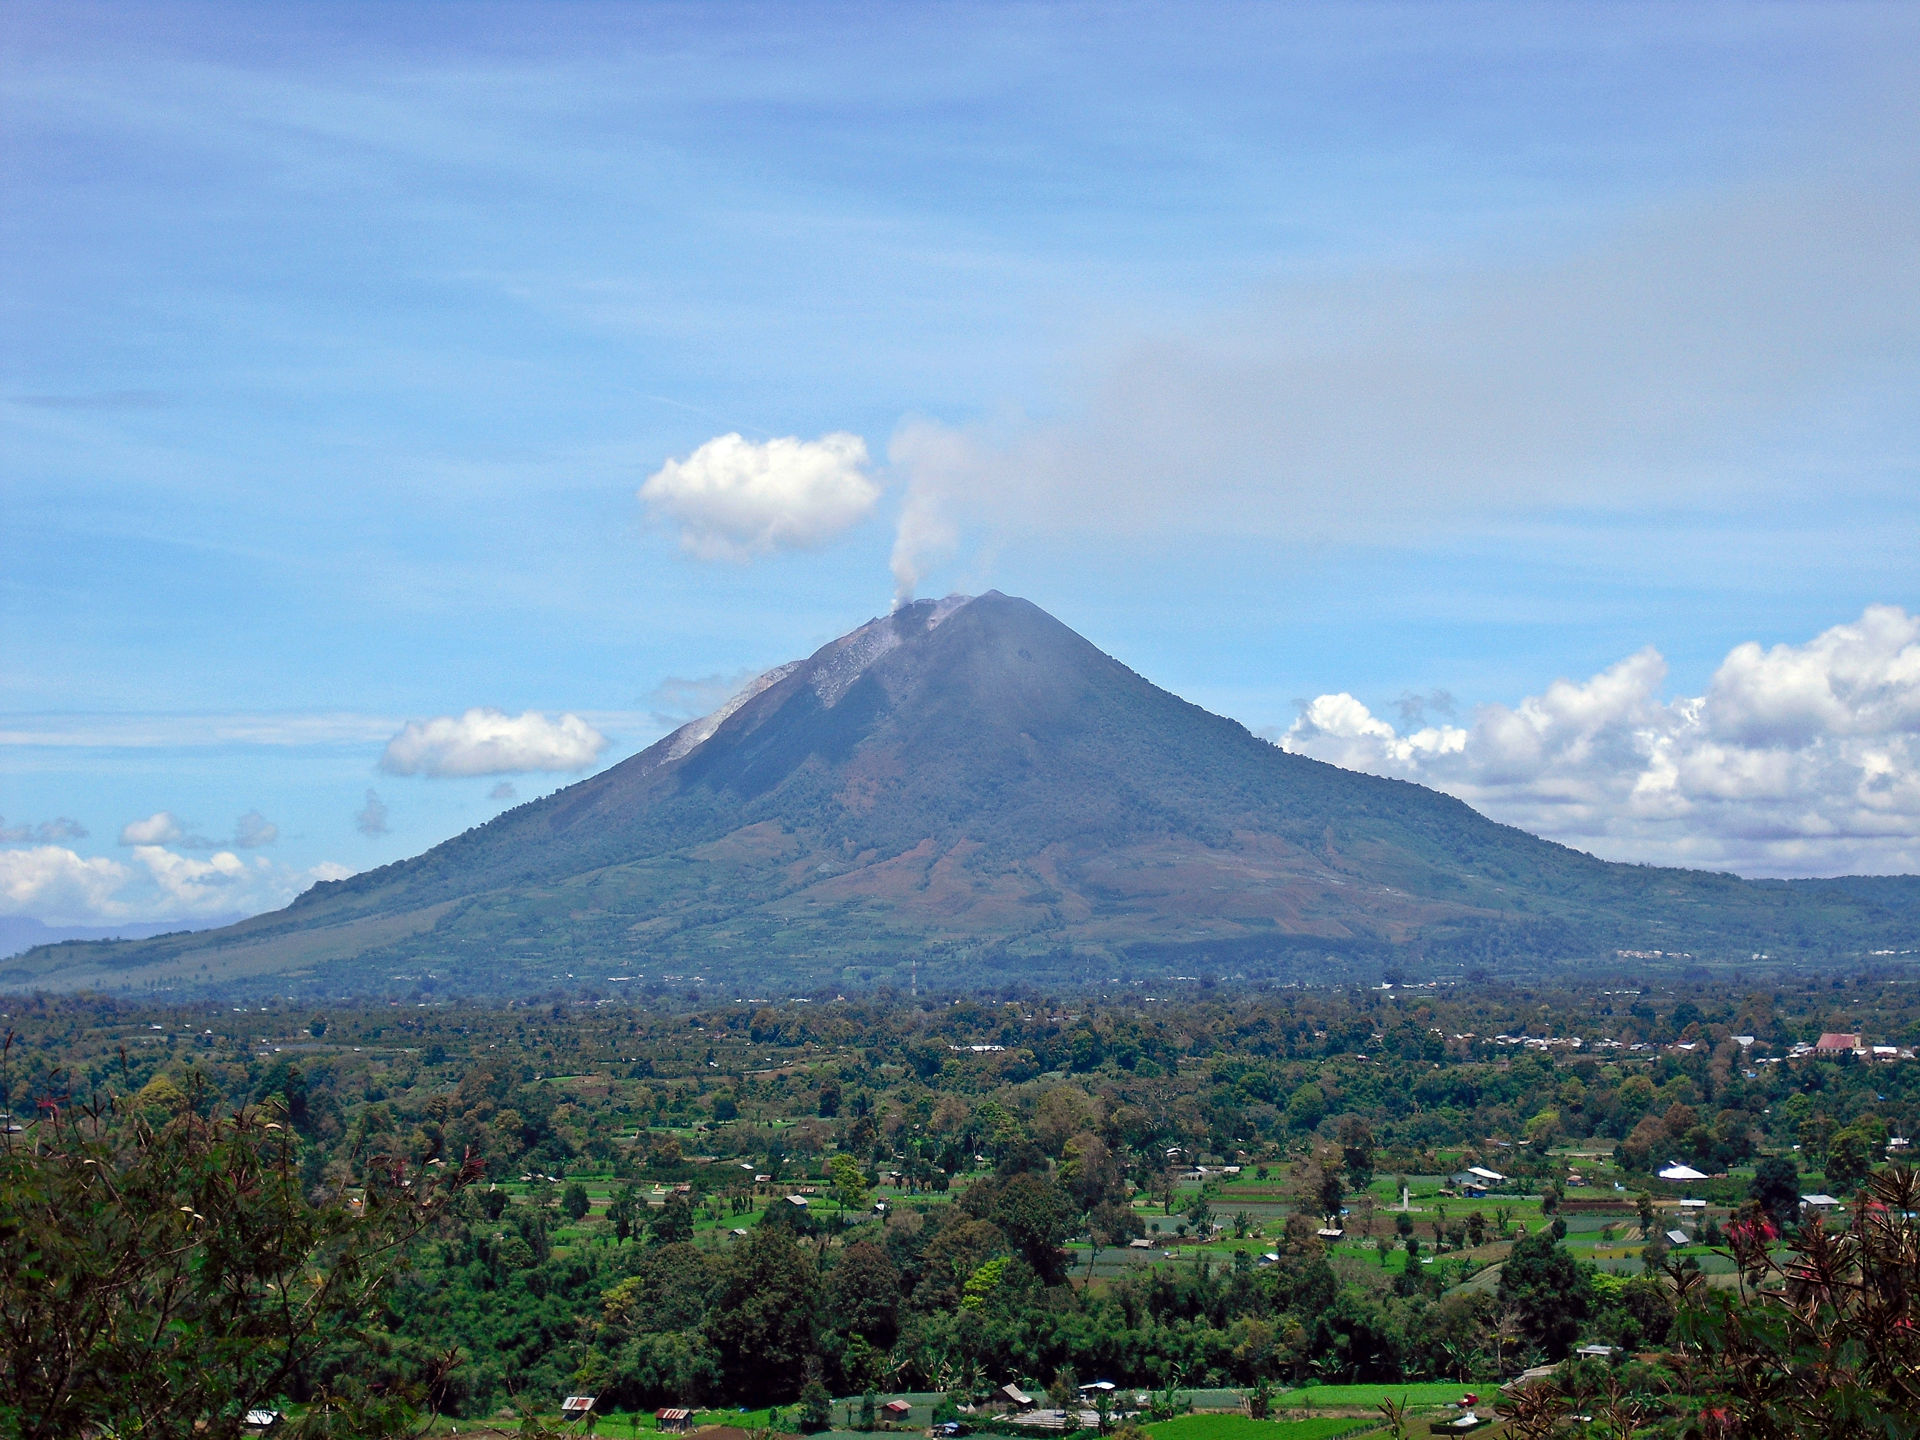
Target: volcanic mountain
{"type": "Point", "coordinates": [967, 792]}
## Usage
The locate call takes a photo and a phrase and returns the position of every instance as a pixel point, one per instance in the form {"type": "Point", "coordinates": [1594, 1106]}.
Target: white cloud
{"type": "Point", "coordinates": [491, 742]}
{"type": "Point", "coordinates": [160, 828]}
{"type": "Point", "coordinates": [734, 499]}
{"type": "Point", "coordinates": [1798, 760]}
{"type": "Point", "coordinates": [59, 887]}
{"type": "Point", "coordinates": [195, 886]}
{"type": "Point", "coordinates": [53, 884]}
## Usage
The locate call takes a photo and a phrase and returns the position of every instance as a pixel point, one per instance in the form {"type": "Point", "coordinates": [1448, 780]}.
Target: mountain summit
{"type": "Point", "coordinates": [966, 791]}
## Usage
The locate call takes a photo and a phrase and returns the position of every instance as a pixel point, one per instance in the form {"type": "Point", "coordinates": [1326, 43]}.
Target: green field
{"type": "Point", "coordinates": [1327, 1397]}
{"type": "Point", "coordinates": [1239, 1427]}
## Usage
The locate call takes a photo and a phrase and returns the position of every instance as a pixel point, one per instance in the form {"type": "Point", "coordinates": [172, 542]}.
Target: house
{"type": "Point", "coordinates": [1676, 1171]}
{"type": "Point", "coordinates": [261, 1422]}
{"type": "Point", "coordinates": [799, 1202]}
{"type": "Point", "coordinates": [1679, 1237]}
{"type": "Point", "coordinates": [1330, 1232]}
{"type": "Point", "coordinates": [574, 1406]}
{"type": "Point", "coordinates": [1140, 1244]}
{"type": "Point", "coordinates": [1837, 1042]}
{"type": "Point", "coordinates": [1476, 1180]}
{"type": "Point", "coordinates": [1818, 1202]}
{"type": "Point", "coordinates": [896, 1410]}
{"type": "Point", "coordinates": [1013, 1395]}
{"type": "Point", "coordinates": [673, 1420]}
{"type": "Point", "coordinates": [1596, 1352]}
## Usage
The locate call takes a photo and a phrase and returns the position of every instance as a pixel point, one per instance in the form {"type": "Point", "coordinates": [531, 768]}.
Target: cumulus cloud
{"type": "Point", "coordinates": [52, 883]}
{"type": "Point", "coordinates": [47, 832]}
{"type": "Point", "coordinates": [371, 818]}
{"type": "Point", "coordinates": [1798, 759]}
{"type": "Point", "coordinates": [492, 742]}
{"type": "Point", "coordinates": [55, 885]}
{"type": "Point", "coordinates": [160, 828]}
{"type": "Point", "coordinates": [734, 499]}
{"type": "Point", "coordinates": [163, 827]}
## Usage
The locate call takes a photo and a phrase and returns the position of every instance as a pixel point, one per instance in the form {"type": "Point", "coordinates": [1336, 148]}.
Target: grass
{"type": "Point", "coordinates": [1367, 1396]}
{"type": "Point", "coordinates": [1239, 1427]}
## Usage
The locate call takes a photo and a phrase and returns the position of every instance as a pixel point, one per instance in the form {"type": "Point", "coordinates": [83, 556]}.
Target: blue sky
{"type": "Point", "coordinates": [1417, 355]}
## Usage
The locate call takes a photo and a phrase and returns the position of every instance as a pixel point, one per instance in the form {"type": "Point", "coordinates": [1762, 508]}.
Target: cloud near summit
{"type": "Point", "coordinates": [1798, 759]}
{"type": "Point", "coordinates": [492, 742]}
{"type": "Point", "coordinates": [735, 499]}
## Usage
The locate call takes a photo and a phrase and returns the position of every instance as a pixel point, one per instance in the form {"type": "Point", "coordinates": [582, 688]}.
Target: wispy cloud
{"type": "Point", "coordinates": [193, 731]}
{"type": "Point", "coordinates": [1667, 365]}
{"type": "Point", "coordinates": [371, 818]}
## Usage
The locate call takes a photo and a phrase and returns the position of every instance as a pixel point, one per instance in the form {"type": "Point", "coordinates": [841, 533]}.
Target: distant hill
{"type": "Point", "coordinates": [966, 793]}
{"type": "Point", "coordinates": [20, 933]}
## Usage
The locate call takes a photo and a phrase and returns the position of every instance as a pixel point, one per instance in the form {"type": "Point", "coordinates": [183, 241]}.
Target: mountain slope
{"type": "Point", "coordinates": [969, 788]}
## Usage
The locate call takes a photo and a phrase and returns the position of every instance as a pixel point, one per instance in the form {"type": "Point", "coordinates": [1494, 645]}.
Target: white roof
{"type": "Point", "coordinates": [1484, 1173]}
{"type": "Point", "coordinates": [1818, 1200]}
{"type": "Point", "coordinates": [1693, 1204]}
{"type": "Point", "coordinates": [1677, 1171]}
{"type": "Point", "coordinates": [1678, 1237]}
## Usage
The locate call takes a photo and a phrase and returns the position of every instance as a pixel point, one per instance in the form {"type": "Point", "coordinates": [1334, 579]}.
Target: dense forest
{"type": "Point", "coordinates": [808, 1204]}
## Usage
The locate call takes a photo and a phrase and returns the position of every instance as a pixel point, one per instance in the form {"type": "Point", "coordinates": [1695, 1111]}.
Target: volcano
{"type": "Point", "coordinates": [963, 793]}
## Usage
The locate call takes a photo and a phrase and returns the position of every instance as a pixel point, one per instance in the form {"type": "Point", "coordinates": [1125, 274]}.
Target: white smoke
{"type": "Point", "coordinates": [935, 460]}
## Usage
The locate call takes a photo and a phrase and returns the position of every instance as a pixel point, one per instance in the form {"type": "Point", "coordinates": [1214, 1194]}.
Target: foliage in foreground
{"type": "Point", "coordinates": [161, 1273]}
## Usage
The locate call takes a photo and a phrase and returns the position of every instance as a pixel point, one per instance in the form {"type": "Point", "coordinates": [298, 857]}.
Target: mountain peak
{"type": "Point", "coordinates": [967, 787]}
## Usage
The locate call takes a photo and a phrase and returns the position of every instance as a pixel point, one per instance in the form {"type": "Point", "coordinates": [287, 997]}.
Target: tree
{"type": "Point", "coordinates": [1776, 1187]}
{"type": "Point", "coordinates": [1549, 1289]}
{"type": "Point", "coordinates": [1849, 1159]}
{"type": "Point", "coordinates": [575, 1202]}
{"type": "Point", "coordinates": [160, 1279]}
{"type": "Point", "coordinates": [1034, 1214]}
{"type": "Point", "coordinates": [1356, 1151]}
{"type": "Point", "coordinates": [849, 1182]}
{"type": "Point", "coordinates": [863, 1294]}
{"type": "Point", "coordinates": [674, 1224]}
{"type": "Point", "coordinates": [623, 1212]}
{"type": "Point", "coordinates": [761, 1319]}
{"type": "Point", "coordinates": [816, 1406]}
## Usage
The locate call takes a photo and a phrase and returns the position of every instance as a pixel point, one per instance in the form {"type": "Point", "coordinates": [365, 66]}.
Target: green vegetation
{"type": "Point", "coordinates": [629, 1219]}
{"type": "Point", "coordinates": [1239, 1427]}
